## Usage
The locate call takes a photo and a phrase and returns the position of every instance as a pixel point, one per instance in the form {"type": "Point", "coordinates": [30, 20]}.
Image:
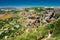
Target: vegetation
{"type": "Point", "coordinates": [42, 31]}
{"type": "Point", "coordinates": [14, 27]}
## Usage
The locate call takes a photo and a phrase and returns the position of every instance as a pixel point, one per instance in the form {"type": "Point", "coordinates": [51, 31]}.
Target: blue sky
{"type": "Point", "coordinates": [28, 3]}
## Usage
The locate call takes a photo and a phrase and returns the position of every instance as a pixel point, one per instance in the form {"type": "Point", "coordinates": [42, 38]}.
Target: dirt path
{"type": "Point", "coordinates": [47, 37]}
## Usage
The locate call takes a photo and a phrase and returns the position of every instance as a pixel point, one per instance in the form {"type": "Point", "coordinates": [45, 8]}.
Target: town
{"type": "Point", "coordinates": [17, 21]}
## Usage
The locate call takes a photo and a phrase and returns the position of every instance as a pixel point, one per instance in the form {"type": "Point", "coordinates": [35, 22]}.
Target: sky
{"type": "Point", "coordinates": [28, 3]}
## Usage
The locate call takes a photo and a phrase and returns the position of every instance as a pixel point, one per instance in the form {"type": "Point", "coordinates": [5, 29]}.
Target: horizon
{"type": "Point", "coordinates": [33, 6]}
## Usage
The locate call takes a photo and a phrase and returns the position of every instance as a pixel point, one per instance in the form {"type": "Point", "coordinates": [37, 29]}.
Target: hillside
{"type": "Point", "coordinates": [37, 33]}
{"type": "Point", "coordinates": [30, 24]}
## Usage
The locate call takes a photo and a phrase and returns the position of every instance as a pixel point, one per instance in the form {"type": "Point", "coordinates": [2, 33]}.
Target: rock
{"type": "Point", "coordinates": [6, 37]}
